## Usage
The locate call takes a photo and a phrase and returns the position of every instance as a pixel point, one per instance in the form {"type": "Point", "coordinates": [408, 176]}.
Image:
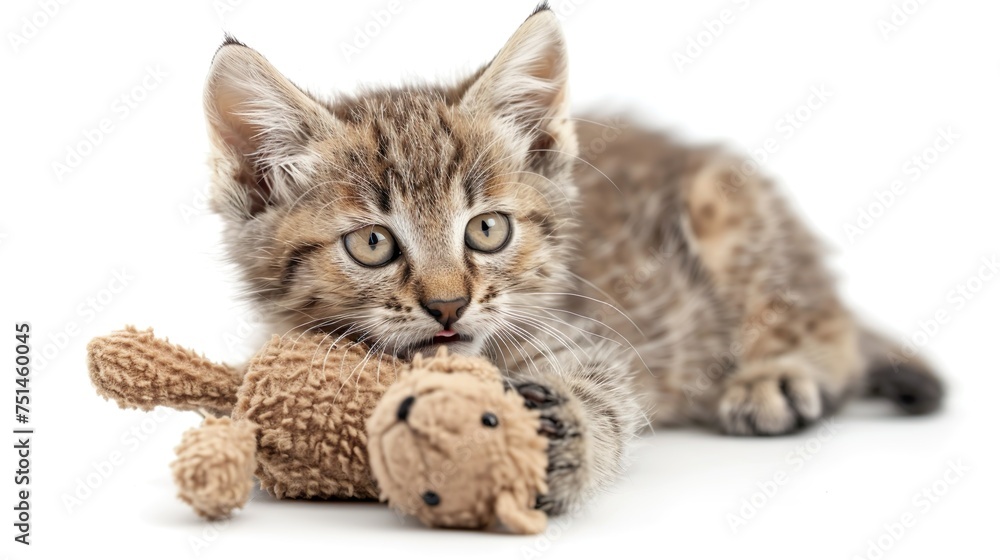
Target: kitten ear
{"type": "Point", "coordinates": [526, 83]}
{"type": "Point", "coordinates": [260, 125]}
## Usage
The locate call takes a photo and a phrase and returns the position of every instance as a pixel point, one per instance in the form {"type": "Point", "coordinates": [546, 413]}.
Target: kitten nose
{"type": "Point", "coordinates": [446, 311]}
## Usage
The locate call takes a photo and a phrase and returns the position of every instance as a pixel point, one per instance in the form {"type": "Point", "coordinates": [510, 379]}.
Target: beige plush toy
{"type": "Point", "coordinates": [438, 438]}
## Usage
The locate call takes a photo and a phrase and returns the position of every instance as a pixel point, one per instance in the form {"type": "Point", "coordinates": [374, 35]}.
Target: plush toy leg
{"type": "Point", "coordinates": [139, 370]}
{"type": "Point", "coordinates": [215, 466]}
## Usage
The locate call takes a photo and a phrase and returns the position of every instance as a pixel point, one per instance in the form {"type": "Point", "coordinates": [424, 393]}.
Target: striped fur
{"type": "Point", "coordinates": [644, 281]}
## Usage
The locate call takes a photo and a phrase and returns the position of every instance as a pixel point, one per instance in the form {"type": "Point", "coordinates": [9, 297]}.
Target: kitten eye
{"type": "Point", "coordinates": [371, 245]}
{"type": "Point", "coordinates": [488, 232]}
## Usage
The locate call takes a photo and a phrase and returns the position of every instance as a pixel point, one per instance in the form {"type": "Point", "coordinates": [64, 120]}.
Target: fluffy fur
{"type": "Point", "coordinates": [644, 280]}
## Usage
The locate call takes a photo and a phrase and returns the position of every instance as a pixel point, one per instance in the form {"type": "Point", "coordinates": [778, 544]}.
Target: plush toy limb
{"type": "Point", "coordinates": [215, 466]}
{"type": "Point", "coordinates": [518, 516]}
{"type": "Point", "coordinates": [139, 370]}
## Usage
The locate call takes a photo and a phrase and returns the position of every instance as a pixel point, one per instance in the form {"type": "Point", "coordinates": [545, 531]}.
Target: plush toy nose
{"type": "Point", "coordinates": [403, 412]}
{"type": "Point", "coordinates": [446, 311]}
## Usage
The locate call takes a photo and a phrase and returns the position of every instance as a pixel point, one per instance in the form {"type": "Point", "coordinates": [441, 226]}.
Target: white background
{"type": "Point", "coordinates": [136, 204]}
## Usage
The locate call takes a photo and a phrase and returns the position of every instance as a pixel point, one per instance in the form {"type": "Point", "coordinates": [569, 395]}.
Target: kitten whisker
{"type": "Point", "coordinates": [595, 300]}
{"type": "Point", "coordinates": [528, 359]}
{"type": "Point", "coordinates": [624, 339]}
{"type": "Point", "coordinates": [559, 337]}
{"type": "Point", "coordinates": [580, 159]}
{"type": "Point", "coordinates": [531, 339]}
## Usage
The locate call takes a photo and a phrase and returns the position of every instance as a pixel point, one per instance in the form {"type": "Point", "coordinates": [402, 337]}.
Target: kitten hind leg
{"type": "Point", "coordinates": [794, 345]}
{"type": "Point", "coordinates": [771, 397]}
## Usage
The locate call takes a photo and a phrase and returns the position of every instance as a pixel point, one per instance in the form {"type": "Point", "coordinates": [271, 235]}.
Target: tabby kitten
{"type": "Point", "coordinates": [636, 281]}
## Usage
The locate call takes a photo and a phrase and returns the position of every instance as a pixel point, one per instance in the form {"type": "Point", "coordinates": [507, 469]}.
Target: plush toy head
{"type": "Point", "coordinates": [449, 445]}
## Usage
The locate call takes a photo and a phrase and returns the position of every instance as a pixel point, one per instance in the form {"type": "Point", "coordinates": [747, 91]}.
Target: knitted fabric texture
{"type": "Point", "coordinates": [138, 370]}
{"type": "Point", "coordinates": [313, 419]}
{"type": "Point", "coordinates": [215, 465]}
{"type": "Point", "coordinates": [310, 401]}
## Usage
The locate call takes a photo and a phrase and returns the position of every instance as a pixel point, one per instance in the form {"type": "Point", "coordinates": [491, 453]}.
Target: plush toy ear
{"type": "Point", "coordinates": [518, 516]}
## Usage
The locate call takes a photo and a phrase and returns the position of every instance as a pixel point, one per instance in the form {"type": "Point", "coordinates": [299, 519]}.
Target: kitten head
{"type": "Point", "coordinates": [405, 217]}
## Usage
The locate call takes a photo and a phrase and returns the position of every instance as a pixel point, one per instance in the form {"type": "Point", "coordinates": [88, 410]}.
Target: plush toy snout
{"type": "Point", "coordinates": [448, 445]}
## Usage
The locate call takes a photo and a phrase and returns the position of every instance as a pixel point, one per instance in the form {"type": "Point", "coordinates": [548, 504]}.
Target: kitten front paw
{"type": "Point", "coordinates": [770, 398]}
{"type": "Point", "coordinates": [562, 422]}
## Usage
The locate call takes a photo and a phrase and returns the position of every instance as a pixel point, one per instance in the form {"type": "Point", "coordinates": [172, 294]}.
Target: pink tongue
{"type": "Point", "coordinates": [445, 336]}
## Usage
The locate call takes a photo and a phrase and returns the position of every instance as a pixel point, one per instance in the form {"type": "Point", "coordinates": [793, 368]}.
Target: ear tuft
{"type": "Point", "coordinates": [526, 83]}
{"type": "Point", "coordinates": [541, 7]}
{"type": "Point", "coordinates": [260, 125]}
{"type": "Point", "coordinates": [228, 39]}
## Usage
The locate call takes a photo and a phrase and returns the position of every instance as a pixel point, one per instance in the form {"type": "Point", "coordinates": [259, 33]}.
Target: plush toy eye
{"type": "Point", "coordinates": [431, 498]}
{"type": "Point", "coordinates": [490, 420]}
{"type": "Point", "coordinates": [371, 245]}
{"type": "Point", "coordinates": [487, 233]}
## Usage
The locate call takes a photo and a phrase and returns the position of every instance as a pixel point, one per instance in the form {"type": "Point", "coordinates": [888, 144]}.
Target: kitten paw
{"type": "Point", "coordinates": [770, 399]}
{"type": "Point", "coordinates": [562, 423]}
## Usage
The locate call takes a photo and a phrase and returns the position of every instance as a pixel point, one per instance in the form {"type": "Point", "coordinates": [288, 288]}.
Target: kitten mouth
{"type": "Point", "coordinates": [446, 336]}
{"type": "Point", "coordinates": [441, 338]}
